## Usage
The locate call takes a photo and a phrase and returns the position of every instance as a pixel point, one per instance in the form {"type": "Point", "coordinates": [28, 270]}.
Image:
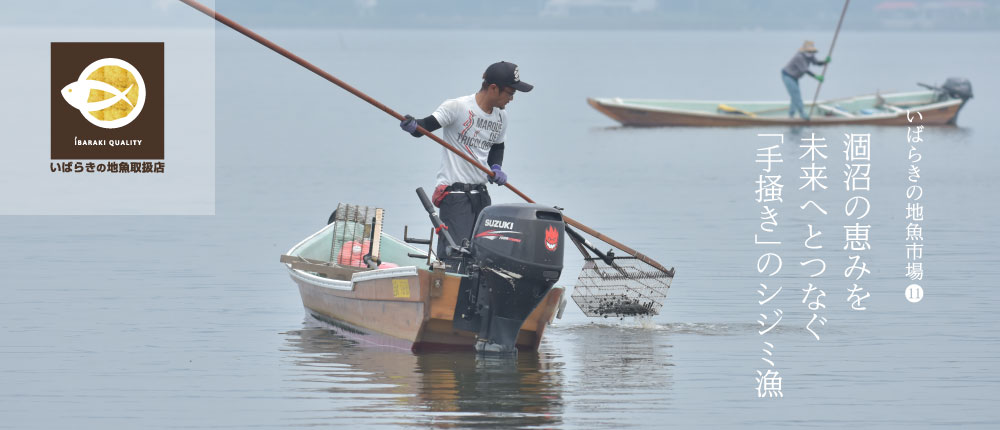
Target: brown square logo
{"type": "Point", "coordinates": [107, 101]}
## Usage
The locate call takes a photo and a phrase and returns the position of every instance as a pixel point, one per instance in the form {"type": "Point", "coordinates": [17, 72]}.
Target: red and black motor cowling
{"type": "Point", "coordinates": [516, 255]}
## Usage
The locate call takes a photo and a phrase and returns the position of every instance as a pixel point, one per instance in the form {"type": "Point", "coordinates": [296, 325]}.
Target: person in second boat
{"type": "Point", "coordinates": [476, 125]}
{"type": "Point", "coordinates": [798, 66]}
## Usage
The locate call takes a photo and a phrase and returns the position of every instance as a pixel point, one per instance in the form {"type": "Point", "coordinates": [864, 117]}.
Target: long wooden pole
{"type": "Point", "coordinates": [830, 53]}
{"type": "Point", "coordinates": [285, 53]}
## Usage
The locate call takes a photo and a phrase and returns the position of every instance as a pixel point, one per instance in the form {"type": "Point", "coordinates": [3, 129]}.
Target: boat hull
{"type": "Point", "coordinates": [402, 308]}
{"type": "Point", "coordinates": [944, 114]}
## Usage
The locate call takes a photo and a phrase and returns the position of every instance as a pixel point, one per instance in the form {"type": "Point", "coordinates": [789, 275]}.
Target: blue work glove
{"type": "Point", "coordinates": [819, 78]}
{"type": "Point", "coordinates": [499, 177]}
{"type": "Point", "coordinates": [408, 124]}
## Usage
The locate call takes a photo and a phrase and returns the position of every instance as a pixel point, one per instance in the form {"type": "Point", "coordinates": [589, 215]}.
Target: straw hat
{"type": "Point", "coordinates": [808, 47]}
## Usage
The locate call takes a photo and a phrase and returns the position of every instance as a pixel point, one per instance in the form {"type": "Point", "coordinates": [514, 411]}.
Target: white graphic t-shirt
{"type": "Point", "coordinates": [470, 130]}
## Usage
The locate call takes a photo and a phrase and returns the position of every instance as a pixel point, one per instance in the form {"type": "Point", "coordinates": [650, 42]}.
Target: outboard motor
{"type": "Point", "coordinates": [958, 88]}
{"type": "Point", "coordinates": [516, 257]}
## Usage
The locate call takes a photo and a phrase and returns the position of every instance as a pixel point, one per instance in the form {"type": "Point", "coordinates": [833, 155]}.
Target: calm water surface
{"type": "Point", "coordinates": [191, 322]}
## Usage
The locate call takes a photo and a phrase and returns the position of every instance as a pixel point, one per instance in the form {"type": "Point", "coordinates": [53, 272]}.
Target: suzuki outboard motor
{"type": "Point", "coordinates": [516, 257]}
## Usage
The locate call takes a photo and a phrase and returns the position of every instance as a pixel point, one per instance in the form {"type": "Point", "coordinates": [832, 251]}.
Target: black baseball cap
{"type": "Point", "coordinates": [505, 74]}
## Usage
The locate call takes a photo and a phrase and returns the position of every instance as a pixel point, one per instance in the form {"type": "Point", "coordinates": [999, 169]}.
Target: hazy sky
{"type": "Point", "coordinates": [922, 15]}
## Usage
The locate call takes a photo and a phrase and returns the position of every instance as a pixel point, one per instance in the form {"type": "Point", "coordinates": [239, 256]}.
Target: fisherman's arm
{"type": "Point", "coordinates": [409, 124]}
{"type": "Point", "coordinates": [496, 155]}
{"type": "Point", "coordinates": [494, 160]}
{"type": "Point", "coordinates": [812, 59]}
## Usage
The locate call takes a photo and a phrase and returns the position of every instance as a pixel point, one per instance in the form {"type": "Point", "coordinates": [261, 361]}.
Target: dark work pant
{"type": "Point", "coordinates": [459, 212]}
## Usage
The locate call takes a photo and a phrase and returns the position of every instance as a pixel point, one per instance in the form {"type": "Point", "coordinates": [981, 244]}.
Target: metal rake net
{"type": "Point", "coordinates": [629, 287]}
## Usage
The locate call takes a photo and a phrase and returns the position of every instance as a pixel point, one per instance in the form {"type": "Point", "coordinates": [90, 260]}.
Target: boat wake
{"type": "Point", "coordinates": [646, 324]}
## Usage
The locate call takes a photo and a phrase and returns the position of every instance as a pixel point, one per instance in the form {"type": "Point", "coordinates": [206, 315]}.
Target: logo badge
{"type": "Point", "coordinates": [494, 223]}
{"type": "Point", "coordinates": [110, 93]}
{"type": "Point", "coordinates": [551, 238]}
{"type": "Point", "coordinates": [106, 101]}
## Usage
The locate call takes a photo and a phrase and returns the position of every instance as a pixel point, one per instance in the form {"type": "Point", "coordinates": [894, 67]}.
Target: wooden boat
{"type": "Point", "coordinates": [410, 301]}
{"type": "Point", "coordinates": [938, 106]}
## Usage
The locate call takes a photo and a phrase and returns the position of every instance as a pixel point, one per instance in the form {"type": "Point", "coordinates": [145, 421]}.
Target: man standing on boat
{"type": "Point", "coordinates": [475, 124]}
{"type": "Point", "coordinates": [798, 66]}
